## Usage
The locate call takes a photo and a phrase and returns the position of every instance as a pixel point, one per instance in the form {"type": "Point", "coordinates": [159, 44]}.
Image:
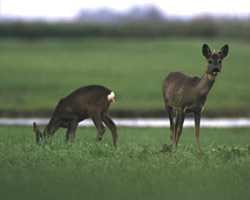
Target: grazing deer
{"type": "Point", "coordinates": [183, 94]}
{"type": "Point", "coordinates": [90, 101]}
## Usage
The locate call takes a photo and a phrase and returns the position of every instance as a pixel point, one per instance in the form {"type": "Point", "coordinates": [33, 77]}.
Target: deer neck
{"type": "Point", "coordinates": [205, 84]}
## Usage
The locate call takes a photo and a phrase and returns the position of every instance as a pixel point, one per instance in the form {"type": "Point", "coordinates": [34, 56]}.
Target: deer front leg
{"type": "Point", "coordinates": [179, 125]}
{"type": "Point", "coordinates": [71, 130]}
{"type": "Point", "coordinates": [171, 120]}
{"type": "Point", "coordinates": [174, 130]}
{"type": "Point", "coordinates": [197, 118]}
{"type": "Point", "coordinates": [176, 124]}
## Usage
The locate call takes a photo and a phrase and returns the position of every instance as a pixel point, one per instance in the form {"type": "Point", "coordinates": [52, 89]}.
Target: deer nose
{"type": "Point", "coordinates": [216, 70]}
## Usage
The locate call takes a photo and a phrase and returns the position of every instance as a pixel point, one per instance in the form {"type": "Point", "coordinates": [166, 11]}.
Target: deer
{"type": "Point", "coordinates": [183, 94]}
{"type": "Point", "coordinates": [91, 101]}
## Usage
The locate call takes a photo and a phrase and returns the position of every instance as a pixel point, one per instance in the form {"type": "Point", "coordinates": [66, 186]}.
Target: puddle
{"type": "Point", "coordinates": [141, 122]}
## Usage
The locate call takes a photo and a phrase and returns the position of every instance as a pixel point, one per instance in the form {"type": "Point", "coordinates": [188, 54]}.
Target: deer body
{"type": "Point", "coordinates": [86, 102]}
{"type": "Point", "coordinates": [183, 94]}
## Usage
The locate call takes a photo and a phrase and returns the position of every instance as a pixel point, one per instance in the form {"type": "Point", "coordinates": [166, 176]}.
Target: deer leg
{"type": "Point", "coordinates": [96, 118]}
{"type": "Point", "coordinates": [72, 126]}
{"type": "Point", "coordinates": [181, 117]}
{"type": "Point", "coordinates": [111, 125]}
{"type": "Point", "coordinates": [174, 129]}
{"type": "Point", "coordinates": [170, 116]}
{"type": "Point", "coordinates": [197, 119]}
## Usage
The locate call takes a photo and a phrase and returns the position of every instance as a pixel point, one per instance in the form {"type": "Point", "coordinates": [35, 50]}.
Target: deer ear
{"type": "Point", "coordinates": [224, 51]}
{"type": "Point", "coordinates": [206, 51]}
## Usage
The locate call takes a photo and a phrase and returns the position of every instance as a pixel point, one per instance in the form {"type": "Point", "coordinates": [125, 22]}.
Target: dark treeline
{"type": "Point", "coordinates": [205, 26]}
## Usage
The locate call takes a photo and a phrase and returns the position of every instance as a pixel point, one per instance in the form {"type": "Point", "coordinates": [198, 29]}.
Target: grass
{"type": "Point", "coordinates": [35, 74]}
{"type": "Point", "coordinates": [143, 167]}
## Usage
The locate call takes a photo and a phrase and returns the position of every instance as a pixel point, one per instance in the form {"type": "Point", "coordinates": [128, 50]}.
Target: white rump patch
{"type": "Point", "coordinates": [111, 97]}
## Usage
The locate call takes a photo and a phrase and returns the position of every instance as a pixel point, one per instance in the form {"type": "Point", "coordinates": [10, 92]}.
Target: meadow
{"type": "Point", "coordinates": [36, 73]}
{"type": "Point", "coordinates": [143, 167]}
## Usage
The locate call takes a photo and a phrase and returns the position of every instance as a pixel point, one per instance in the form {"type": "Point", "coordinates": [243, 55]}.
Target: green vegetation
{"type": "Point", "coordinates": [42, 63]}
{"type": "Point", "coordinates": [143, 167]}
{"type": "Point", "coordinates": [198, 27]}
{"type": "Point", "coordinates": [35, 74]}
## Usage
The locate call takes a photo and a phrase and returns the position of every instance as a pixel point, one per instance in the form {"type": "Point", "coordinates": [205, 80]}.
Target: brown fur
{"type": "Point", "coordinates": [183, 94]}
{"type": "Point", "coordinates": [86, 102]}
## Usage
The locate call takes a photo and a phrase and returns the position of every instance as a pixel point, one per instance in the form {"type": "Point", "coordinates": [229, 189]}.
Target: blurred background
{"type": "Point", "coordinates": [50, 48]}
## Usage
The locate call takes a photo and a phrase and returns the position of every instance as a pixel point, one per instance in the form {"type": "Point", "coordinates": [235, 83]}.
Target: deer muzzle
{"type": "Point", "coordinates": [215, 71]}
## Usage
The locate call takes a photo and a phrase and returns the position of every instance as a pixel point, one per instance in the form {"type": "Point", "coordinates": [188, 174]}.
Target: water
{"type": "Point", "coordinates": [141, 122]}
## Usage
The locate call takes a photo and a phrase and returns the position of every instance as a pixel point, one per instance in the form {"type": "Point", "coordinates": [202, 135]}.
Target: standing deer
{"type": "Point", "coordinates": [90, 101]}
{"type": "Point", "coordinates": [183, 94]}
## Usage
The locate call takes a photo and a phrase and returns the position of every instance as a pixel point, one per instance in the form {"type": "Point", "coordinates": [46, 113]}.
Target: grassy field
{"type": "Point", "coordinates": [143, 167]}
{"type": "Point", "coordinates": [35, 74]}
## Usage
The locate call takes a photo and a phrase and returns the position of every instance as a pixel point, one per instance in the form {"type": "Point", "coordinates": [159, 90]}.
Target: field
{"type": "Point", "coordinates": [36, 73]}
{"type": "Point", "coordinates": [143, 166]}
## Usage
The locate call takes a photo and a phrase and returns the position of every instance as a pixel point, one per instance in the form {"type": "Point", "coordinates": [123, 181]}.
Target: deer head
{"type": "Point", "coordinates": [214, 60]}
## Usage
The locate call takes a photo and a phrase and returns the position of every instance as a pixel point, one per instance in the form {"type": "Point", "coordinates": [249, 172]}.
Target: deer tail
{"type": "Point", "coordinates": [37, 132]}
{"type": "Point", "coordinates": [111, 96]}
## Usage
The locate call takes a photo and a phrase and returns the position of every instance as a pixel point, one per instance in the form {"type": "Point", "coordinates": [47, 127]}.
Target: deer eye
{"type": "Point", "coordinates": [219, 61]}
{"type": "Point", "coordinates": [210, 62]}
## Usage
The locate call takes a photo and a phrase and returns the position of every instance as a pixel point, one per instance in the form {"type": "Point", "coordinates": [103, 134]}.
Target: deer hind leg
{"type": "Point", "coordinates": [96, 118]}
{"type": "Point", "coordinates": [111, 125]}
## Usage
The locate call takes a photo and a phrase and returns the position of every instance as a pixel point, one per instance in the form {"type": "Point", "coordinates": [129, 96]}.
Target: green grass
{"type": "Point", "coordinates": [35, 74]}
{"type": "Point", "coordinates": [143, 166]}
